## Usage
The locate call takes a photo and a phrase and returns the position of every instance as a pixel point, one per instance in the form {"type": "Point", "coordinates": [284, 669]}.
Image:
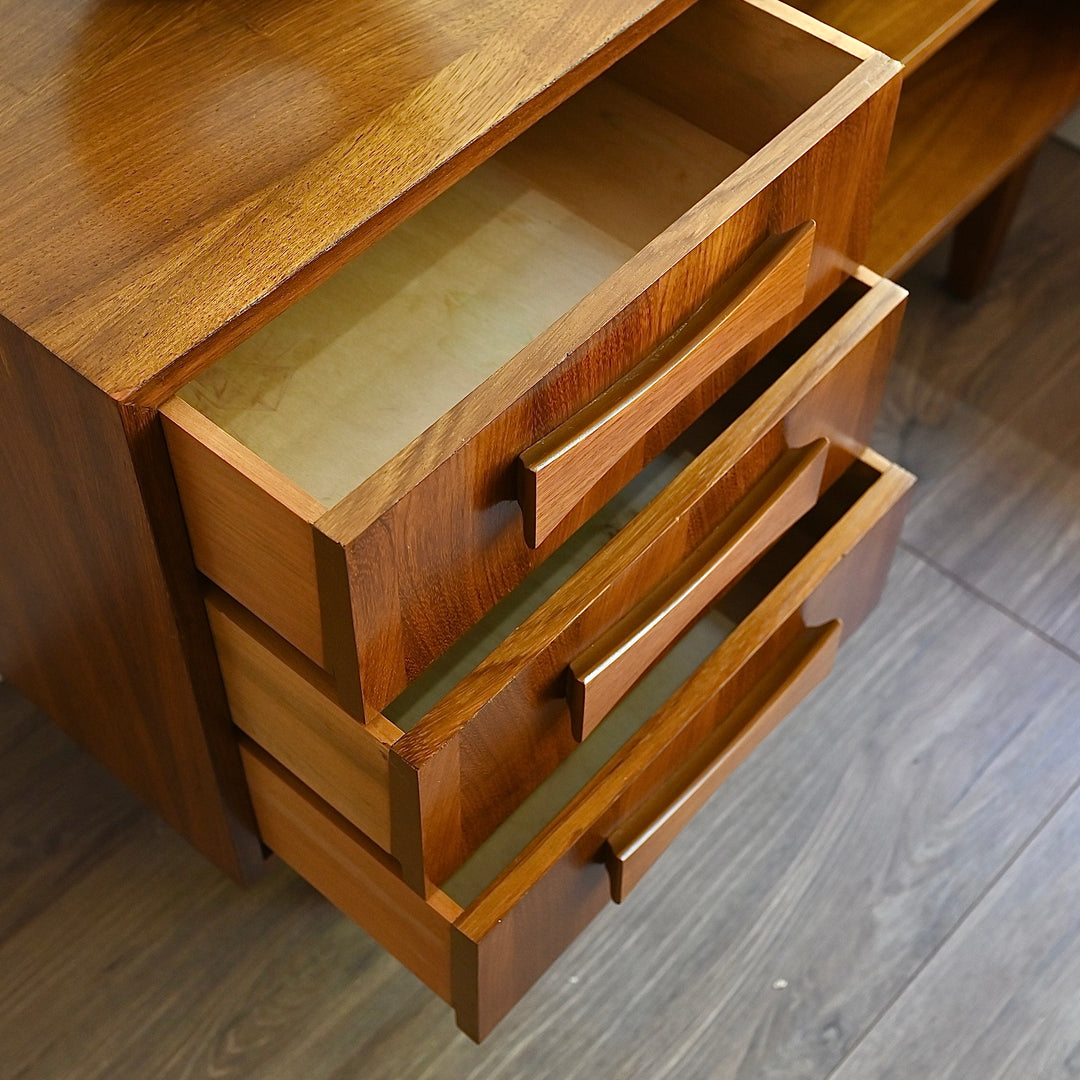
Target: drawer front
{"type": "Point", "coordinates": [466, 765]}
{"type": "Point", "coordinates": [484, 951]}
{"type": "Point", "coordinates": [495, 728]}
{"type": "Point", "coordinates": [600, 842]}
{"type": "Point", "coordinates": [376, 586]}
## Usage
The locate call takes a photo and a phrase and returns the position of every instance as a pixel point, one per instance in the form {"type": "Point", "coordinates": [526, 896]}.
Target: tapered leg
{"type": "Point", "coordinates": [978, 238]}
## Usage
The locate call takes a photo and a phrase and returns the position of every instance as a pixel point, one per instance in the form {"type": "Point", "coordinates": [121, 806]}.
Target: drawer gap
{"type": "Point", "coordinates": [783, 556]}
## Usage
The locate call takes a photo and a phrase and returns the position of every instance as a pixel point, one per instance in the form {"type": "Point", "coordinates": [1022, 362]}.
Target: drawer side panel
{"type": "Point", "coordinates": [250, 528]}
{"type": "Point", "coordinates": [350, 871]}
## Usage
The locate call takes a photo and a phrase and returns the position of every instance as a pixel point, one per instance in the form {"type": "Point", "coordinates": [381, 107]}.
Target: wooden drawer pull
{"type": "Point", "coordinates": [557, 472]}
{"type": "Point", "coordinates": [640, 840]}
{"type": "Point", "coordinates": [600, 676]}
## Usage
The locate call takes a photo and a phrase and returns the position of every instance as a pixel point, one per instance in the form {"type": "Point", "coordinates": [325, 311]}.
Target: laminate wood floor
{"type": "Point", "coordinates": [889, 888]}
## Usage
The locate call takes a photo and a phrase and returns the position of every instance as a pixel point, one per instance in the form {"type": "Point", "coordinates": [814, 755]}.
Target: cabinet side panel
{"type": "Point", "coordinates": [91, 627]}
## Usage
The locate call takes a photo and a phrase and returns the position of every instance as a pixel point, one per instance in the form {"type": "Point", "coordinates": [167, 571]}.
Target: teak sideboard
{"type": "Point", "coordinates": [434, 435]}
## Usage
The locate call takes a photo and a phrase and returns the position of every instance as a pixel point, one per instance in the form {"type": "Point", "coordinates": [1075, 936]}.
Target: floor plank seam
{"type": "Point", "coordinates": [1020, 621]}
{"type": "Point", "coordinates": [991, 885]}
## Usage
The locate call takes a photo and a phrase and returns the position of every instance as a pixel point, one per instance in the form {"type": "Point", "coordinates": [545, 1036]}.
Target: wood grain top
{"type": "Point", "coordinates": [168, 167]}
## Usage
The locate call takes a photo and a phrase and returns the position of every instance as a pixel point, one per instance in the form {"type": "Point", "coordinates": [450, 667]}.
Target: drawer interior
{"type": "Point", "coordinates": [351, 374]}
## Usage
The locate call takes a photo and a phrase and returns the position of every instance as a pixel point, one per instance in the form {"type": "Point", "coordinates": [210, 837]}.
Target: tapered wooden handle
{"type": "Point", "coordinates": [641, 838]}
{"type": "Point", "coordinates": [600, 676]}
{"type": "Point", "coordinates": [558, 471]}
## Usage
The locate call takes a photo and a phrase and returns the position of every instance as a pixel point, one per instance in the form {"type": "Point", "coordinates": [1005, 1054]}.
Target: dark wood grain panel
{"type": "Point", "coordinates": [103, 623]}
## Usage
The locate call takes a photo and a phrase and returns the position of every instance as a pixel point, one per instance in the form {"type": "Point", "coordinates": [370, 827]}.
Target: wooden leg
{"type": "Point", "coordinates": [978, 238]}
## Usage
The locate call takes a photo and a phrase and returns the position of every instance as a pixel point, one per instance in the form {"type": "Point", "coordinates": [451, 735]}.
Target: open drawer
{"type": "Point", "coordinates": [588, 833]}
{"type": "Point", "coordinates": [376, 468]}
{"type": "Point", "coordinates": [458, 751]}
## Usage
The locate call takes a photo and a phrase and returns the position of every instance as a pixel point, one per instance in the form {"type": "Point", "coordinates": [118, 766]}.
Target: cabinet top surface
{"type": "Point", "coordinates": [168, 164]}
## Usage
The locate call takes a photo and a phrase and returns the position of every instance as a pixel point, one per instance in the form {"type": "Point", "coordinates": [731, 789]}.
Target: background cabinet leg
{"type": "Point", "coordinates": [978, 238]}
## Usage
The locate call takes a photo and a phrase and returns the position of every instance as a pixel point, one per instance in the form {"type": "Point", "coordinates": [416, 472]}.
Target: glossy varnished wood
{"type": "Point", "coordinates": [435, 530]}
{"type": "Point", "coordinates": [102, 624]}
{"type": "Point", "coordinates": [557, 471]}
{"type": "Point", "coordinates": [351, 871]}
{"type": "Point", "coordinates": [643, 837]}
{"type": "Point", "coordinates": [286, 705]}
{"type": "Point", "coordinates": [136, 249]}
{"type": "Point", "coordinates": [333, 388]}
{"type": "Point", "coordinates": [462, 471]}
{"type": "Point", "coordinates": [476, 755]}
{"type": "Point", "coordinates": [598, 677]}
{"type": "Point", "coordinates": [464, 480]}
{"type": "Point", "coordinates": [504, 940]}
{"type": "Point", "coordinates": [234, 502]}
{"type": "Point", "coordinates": [529, 914]}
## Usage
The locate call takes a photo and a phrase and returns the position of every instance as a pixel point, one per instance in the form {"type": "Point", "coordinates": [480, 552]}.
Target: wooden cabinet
{"type": "Point", "coordinates": [512, 834]}
{"type": "Point", "coordinates": [696, 200]}
{"type": "Point", "coordinates": [436, 445]}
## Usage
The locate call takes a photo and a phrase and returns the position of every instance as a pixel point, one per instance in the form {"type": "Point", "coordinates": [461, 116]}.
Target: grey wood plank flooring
{"type": "Point", "coordinates": [60, 813]}
{"type": "Point", "coordinates": [984, 407]}
{"type": "Point", "coordinates": [825, 906]}
{"type": "Point", "coordinates": [838, 859]}
{"type": "Point", "coordinates": [1000, 1000]}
